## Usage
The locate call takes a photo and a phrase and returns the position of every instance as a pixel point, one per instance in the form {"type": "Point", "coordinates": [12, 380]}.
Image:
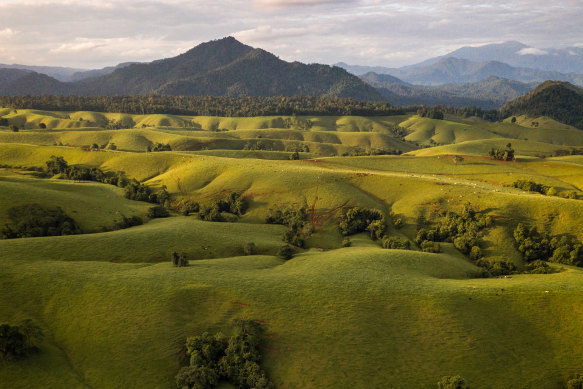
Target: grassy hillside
{"type": "Point", "coordinates": [114, 310]}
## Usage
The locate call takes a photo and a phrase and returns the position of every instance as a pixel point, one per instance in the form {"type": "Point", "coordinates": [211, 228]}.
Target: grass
{"type": "Point", "coordinates": [114, 309]}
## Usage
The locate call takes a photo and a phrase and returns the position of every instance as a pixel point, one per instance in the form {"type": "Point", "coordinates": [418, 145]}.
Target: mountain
{"type": "Point", "coordinates": [223, 67]}
{"type": "Point", "coordinates": [561, 101]}
{"type": "Point", "coordinates": [516, 54]}
{"type": "Point", "coordinates": [490, 93]}
{"type": "Point", "coordinates": [18, 82]}
{"type": "Point", "coordinates": [227, 67]}
{"type": "Point", "coordinates": [60, 73]}
{"type": "Point", "coordinates": [454, 70]}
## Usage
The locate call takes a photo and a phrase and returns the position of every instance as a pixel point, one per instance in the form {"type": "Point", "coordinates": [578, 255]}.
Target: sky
{"type": "Point", "coordinates": [98, 33]}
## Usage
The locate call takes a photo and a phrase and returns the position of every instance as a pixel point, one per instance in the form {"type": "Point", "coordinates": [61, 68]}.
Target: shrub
{"type": "Point", "coordinates": [17, 342]}
{"type": "Point", "coordinates": [250, 248]}
{"type": "Point", "coordinates": [14, 128]}
{"type": "Point", "coordinates": [475, 253]}
{"type": "Point", "coordinates": [210, 213]}
{"type": "Point", "coordinates": [452, 382]}
{"type": "Point", "coordinates": [179, 260]}
{"type": "Point", "coordinates": [430, 247]}
{"type": "Point", "coordinates": [497, 268]}
{"type": "Point", "coordinates": [398, 223]}
{"type": "Point", "coordinates": [539, 267]}
{"type": "Point", "coordinates": [189, 207]}
{"type": "Point", "coordinates": [286, 252]}
{"type": "Point", "coordinates": [346, 242]}
{"type": "Point", "coordinates": [157, 211]}
{"type": "Point", "coordinates": [502, 154]}
{"type": "Point", "coordinates": [233, 203]}
{"type": "Point", "coordinates": [396, 243]}
{"type": "Point", "coordinates": [576, 382]}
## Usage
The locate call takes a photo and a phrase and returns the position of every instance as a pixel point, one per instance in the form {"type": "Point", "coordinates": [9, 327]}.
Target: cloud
{"type": "Point", "coordinates": [6, 33]}
{"type": "Point", "coordinates": [79, 46]}
{"type": "Point", "coordinates": [296, 3]}
{"type": "Point", "coordinates": [532, 51]}
{"type": "Point", "coordinates": [268, 33]}
{"type": "Point", "coordinates": [440, 23]}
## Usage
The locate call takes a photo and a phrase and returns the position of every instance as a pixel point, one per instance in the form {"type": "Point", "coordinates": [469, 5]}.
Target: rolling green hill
{"type": "Point", "coordinates": [115, 311]}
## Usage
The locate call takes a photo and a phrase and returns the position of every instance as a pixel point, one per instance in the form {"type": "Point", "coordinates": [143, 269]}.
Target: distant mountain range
{"type": "Point", "coordinates": [511, 60]}
{"type": "Point", "coordinates": [448, 70]}
{"type": "Point", "coordinates": [490, 93]}
{"type": "Point", "coordinates": [222, 67]}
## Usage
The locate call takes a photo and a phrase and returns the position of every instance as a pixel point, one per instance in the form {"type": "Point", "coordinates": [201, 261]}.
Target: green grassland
{"type": "Point", "coordinates": [114, 310]}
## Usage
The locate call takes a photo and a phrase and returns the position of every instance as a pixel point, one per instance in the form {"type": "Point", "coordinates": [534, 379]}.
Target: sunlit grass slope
{"type": "Point", "coordinates": [404, 318]}
{"type": "Point", "coordinates": [92, 205]}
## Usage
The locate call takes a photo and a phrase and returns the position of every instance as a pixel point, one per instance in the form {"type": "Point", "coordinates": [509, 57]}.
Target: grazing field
{"type": "Point", "coordinates": [115, 311]}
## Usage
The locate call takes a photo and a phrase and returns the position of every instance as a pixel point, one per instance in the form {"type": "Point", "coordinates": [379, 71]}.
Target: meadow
{"type": "Point", "coordinates": [115, 311]}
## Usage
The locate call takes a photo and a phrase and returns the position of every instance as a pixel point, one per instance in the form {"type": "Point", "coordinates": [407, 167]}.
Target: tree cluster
{"type": "Point", "coordinates": [360, 152]}
{"type": "Point", "coordinates": [354, 220]}
{"type": "Point", "coordinates": [531, 186]}
{"type": "Point", "coordinates": [33, 220]}
{"type": "Point", "coordinates": [430, 112]}
{"type": "Point", "coordinates": [500, 154]}
{"type": "Point", "coordinates": [133, 189]}
{"type": "Point", "coordinates": [18, 342]}
{"type": "Point", "coordinates": [296, 220]}
{"type": "Point", "coordinates": [462, 230]}
{"type": "Point", "coordinates": [234, 203]}
{"type": "Point", "coordinates": [214, 358]}
{"type": "Point", "coordinates": [535, 245]}
{"type": "Point", "coordinates": [159, 147]}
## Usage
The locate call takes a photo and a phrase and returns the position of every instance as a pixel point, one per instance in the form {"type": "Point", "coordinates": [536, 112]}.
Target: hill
{"type": "Point", "coordinates": [558, 100]}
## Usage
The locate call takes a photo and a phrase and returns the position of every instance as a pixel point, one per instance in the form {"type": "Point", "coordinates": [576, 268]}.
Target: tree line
{"type": "Point", "coordinates": [208, 105]}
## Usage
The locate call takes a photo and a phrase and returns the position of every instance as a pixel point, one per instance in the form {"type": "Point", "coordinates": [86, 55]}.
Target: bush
{"type": "Point", "coordinates": [531, 186]}
{"type": "Point", "coordinates": [286, 252]}
{"type": "Point", "coordinates": [576, 382]}
{"type": "Point", "coordinates": [430, 247]}
{"type": "Point", "coordinates": [157, 211]}
{"type": "Point", "coordinates": [234, 203]}
{"type": "Point", "coordinates": [250, 248]}
{"type": "Point", "coordinates": [452, 382]}
{"type": "Point", "coordinates": [475, 253]}
{"type": "Point", "coordinates": [502, 154]}
{"type": "Point", "coordinates": [17, 342]}
{"type": "Point", "coordinates": [535, 245]}
{"type": "Point", "coordinates": [539, 267]}
{"type": "Point", "coordinates": [497, 268]}
{"type": "Point", "coordinates": [179, 260]}
{"type": "Point", "coordinates": [32, 220]}
{"type": "Point", "coordinates": [396, 243]}
{"type": "Point", "coordinates": [346, 242]}
{"type": "Point", "coordinates": [210, 213]}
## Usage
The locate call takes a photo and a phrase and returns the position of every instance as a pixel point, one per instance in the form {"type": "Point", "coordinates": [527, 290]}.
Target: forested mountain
{"type": "Point", "coordinates": [558, 100]}
{"type": "Point", "coordinates": [223, 67]}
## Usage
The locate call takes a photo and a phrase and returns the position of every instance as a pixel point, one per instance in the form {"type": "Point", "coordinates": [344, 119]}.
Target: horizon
{"type": "Point", "coordinates": [359, 32]}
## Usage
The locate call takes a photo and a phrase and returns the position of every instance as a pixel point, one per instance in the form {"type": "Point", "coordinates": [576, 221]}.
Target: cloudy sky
{"type": "Point", "coordinates": [97, 33]}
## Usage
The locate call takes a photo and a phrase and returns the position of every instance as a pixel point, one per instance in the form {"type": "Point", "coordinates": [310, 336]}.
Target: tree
{"type": "Point", "coordinates": [576, 382]}
{"type": "Point", "coordinates": [14, 128]}
{"type": "Point", "coordinates": [56, 165]}
{"type": "Point", "coordinates": [457, 159]}
{"type": "Point", "coordinates": [179, 260]}
{"type": "Point", "coordinates": [42, 126]}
